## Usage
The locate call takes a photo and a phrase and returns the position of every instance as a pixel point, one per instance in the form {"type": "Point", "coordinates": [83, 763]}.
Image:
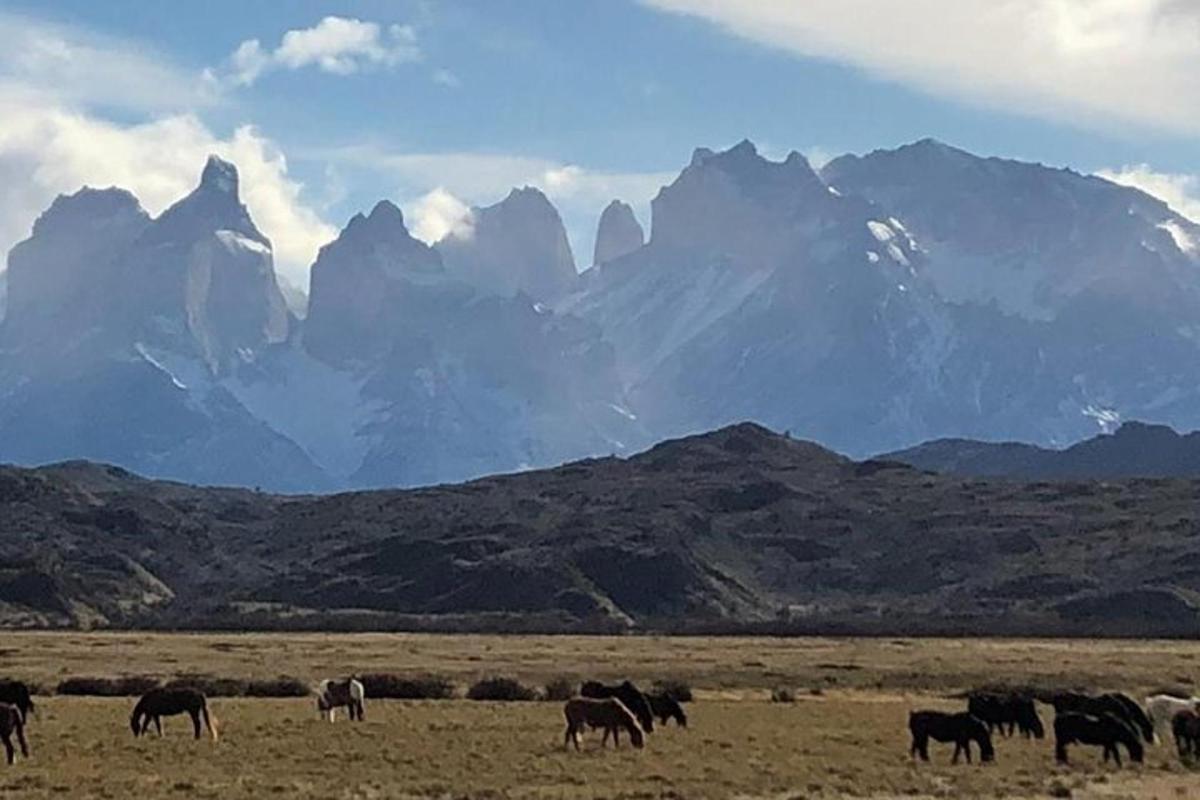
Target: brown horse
{"type": "Point", "coordinates": [12, 721]}
{"type": "Point", "coordinates": [609, 713]}
{"type": "Point", "coordinates": [158, 703]}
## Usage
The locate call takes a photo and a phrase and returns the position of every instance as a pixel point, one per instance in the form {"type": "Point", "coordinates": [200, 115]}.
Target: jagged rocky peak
{"type": "Point", "coordinates": [362, 283]}
{"type": "Point", "coordinates": [727, 199]}
{"type": "Point", "coordinates": [203, 266]}
{"type": "Point", "coordinates": [212, 206]}
{"type": "Point", "coordinates": [64, 273]}
{"type": "Point", "coordinates": [219, 176]}
{"type": "Point", "coordinates": [618, 233]}
{"type": "Point", "coordinates": [516, 245]}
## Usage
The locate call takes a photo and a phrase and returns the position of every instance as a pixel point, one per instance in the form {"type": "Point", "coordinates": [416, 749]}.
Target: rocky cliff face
{"type": "Point", "coordinates": [516, 245]}
{"type": "Point", "coordinates": [618, 233]}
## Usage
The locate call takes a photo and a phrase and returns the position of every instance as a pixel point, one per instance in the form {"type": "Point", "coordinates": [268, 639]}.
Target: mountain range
{"type": "Point", "coordinates": [880, 301]}
{"type": "Point", "coordinates": [1135, 450]}
{"type": "Point", "coordinates": [738, 529]}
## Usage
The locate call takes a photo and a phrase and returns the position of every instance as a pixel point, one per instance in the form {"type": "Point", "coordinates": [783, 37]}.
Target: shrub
{"type": "Point", "coordinates": [501, 689]}
{"type": "Point", "coordinates": [782, 694]}
{"type": "Point", "coordinates": [283, 686]}
{"type": "Point", "coordinates": [561, 688]}
{"type": "Point", "coordinates": [210, 685]}
{"type": "Point", "coordinates": [677, 690]}
{"type": "Point", "coordinates": [124, 686]}
{"type": "Point", "coordinates": [390, 686]}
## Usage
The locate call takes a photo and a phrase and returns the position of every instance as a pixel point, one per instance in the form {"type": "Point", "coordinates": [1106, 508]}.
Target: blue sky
{"type": "Point", "coordinates": [589, 100]}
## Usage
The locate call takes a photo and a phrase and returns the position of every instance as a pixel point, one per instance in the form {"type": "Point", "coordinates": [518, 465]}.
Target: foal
{"type": "Point", "coordinates": [11, 721]}
{"type": "Point", "coordinates": [158, 703]}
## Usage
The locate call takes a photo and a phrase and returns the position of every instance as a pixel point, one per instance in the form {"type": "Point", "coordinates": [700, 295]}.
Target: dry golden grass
{"type": "Point", "coordinates": [850, 740]}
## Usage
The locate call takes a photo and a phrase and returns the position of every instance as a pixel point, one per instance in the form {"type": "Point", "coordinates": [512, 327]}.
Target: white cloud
{"type": "Point", "coordinates": [46, 150]}
{"type": "Point", "coordinates": [1084, 61]}
{"type": "Point", "coordinates": [75, 66]}
{"type": "Point", "coordinates": [437, 214]}
{"type": "Point", "coordinates": [1180, 192]}
{"type": "Point", "coordinates": [338, 45]}
{"type": "Point", "coordinates": [444, 77]}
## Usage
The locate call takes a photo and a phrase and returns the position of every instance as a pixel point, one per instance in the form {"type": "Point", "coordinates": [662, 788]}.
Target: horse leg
{"type": "Point", "coordinates": [8, 749]}
{"type": "Point", "coordinates": [22, 742]}
{"type": "Point", "coordinates": [921, 746]}
{"type": "Point", "coordinates": [158, 725]}
{"type": "Point", "coordinates": [1060, 752]}
{"type": "Point", "coordinates": [195, 715]}
{"type": "Point", "coordinates": [957, 752]}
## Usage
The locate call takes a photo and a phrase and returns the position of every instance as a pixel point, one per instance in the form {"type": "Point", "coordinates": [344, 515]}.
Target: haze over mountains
{"type": "Point", "coordinates": [887, 299]}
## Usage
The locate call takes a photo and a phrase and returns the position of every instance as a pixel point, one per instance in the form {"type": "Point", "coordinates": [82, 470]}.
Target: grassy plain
{"type": "Point", "coordinates": [844, 737]}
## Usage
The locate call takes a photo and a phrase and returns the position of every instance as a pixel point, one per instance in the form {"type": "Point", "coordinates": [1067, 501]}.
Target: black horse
{"type": "Point", "coordinates": [628, 694]}
{"type": "Point", "coordinates": [1121, 706]}
{"type": "Point", "coordinates": [1105, 730]}
{"type": "Point", "coordinates": [1186, 727]}
{"type": "Point", "coordinates": [17, 694]}
{"type": "Point", "coordinates": [666, 707]}
{"type": "Point", "coordinates": [961, 728]}
{"type": "Point", "coordinates": [158, 703]}
{"type": "Point", "coordinates": [1015, 711]}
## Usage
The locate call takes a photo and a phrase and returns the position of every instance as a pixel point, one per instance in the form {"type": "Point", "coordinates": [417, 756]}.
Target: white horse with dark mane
{"type": "Point", "coordinates": [1162, 708]}
{"type": "Point", "coordinates": [334, 694]}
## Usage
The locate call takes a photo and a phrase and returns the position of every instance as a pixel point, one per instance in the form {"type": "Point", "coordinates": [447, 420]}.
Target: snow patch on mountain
{"type": "Point", "coordinates": [236, 241]}
{"type": "Point", "coordinates": [1183, 240]}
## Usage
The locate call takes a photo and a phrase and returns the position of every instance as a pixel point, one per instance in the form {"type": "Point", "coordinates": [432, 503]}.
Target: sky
{"type": "Point", "coordinates": [328, 107]}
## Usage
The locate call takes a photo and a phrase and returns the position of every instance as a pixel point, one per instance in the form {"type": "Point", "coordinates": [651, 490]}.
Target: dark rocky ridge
{"type": "Point", "coordinates": [1135, 450]}
{"type": "Point", "coordinates": [736, 529]}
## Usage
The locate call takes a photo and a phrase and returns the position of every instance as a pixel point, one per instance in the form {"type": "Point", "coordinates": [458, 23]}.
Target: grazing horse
{"type": "Point", "coordinates": [333, 694]}
{"type": "Point", "coordinates": [1014, 710]}
{"type": "Point", "coordinates": [608, 713]}
{"type": "Point", "coordinates": [666, 707]}
{"type": "Point", "coordinates": [961, 728]}
{"type": "Point", "coordinates": [628, 694]}
{"type": "Point", "coordinates": [1119, 705]}
{"type": "Point", "coordinates": [12, 721]}
{"type": "Point", "coordinates": [1186, 727]}
{"type": "Point", "coordinates": [17, 694]}
{"type": "Point", "coordinates": [1105, 730]}
{"type": "Point", "coordinates": [1162, 708]}
{"type": "Point", "coordinates": [158, 703]}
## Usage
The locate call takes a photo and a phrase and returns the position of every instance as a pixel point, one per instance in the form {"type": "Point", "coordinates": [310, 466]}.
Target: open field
{"type": "Point", "coordinates": [848, 740]}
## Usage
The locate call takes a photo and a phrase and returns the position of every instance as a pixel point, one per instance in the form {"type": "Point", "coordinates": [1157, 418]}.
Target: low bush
{"type": "Point", "coordinates": [677, 690]}
{"type": "Point", "coordinates": [561, 688]}
{"type": "Point", "coordinates": [390, 686]}
{"type": "Point", "coordinates": [506, 689]}
{"type": "Point", "coordinates": [782, 694]}
{"type": "Point", "coordinates": [282, 686]}
{"type": "Point", "coordinates": [123, 686]}
{"type": "Point", "coordinates": [209, 685]}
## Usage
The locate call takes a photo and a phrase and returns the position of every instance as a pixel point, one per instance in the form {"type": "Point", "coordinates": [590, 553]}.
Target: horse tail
{"type": "Point", "coordinates": [210, 720]}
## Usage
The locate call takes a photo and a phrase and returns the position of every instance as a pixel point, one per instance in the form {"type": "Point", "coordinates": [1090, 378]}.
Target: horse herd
{"type": "Point", "coordinates": [1109, 721]}
{"type": "Point", "coordinates": [611, 708]}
